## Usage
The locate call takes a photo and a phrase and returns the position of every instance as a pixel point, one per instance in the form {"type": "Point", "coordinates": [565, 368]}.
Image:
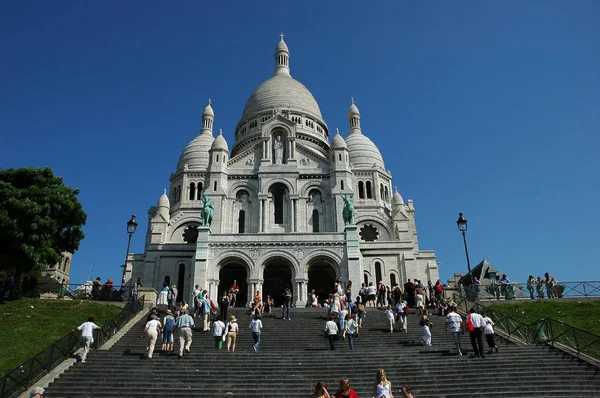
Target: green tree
{"type": "Point", "coordinates": [40, 217]}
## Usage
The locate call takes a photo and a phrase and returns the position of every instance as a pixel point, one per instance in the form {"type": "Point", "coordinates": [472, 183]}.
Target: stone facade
{"type": "Point", "coordinates": [277, 199]}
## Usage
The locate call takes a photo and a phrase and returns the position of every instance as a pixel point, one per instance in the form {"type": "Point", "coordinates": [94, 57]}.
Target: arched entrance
{"type": "Point", "coordinates": [321, 278]}
{"type": "Point", "coordinates": [234, 271]}
{"type": "Point", "coordinates": [276, 277]}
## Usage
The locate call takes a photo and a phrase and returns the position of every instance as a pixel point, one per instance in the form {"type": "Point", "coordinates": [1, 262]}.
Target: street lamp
{"type": "Point", "coordinates": [462, 227]}
{"type": "Point", "coordinates": [131, 227]}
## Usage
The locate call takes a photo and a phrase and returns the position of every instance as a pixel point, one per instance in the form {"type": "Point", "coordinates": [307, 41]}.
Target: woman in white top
{"type": "Point", "coordinates": [371, 295]}
{"type": "Point", "coordinates": [256, 326]}
{"type": "Point", "coordinates": [232, 331]}
{"type": "Point", "coordinates": [391, 317]}
{"type": "Point", "coordinates": [315, 300]}
{"type": "Point", "coordinates": [151, 329]}
{"type": "Point", "coordinates": [382, 387]}
{"type": "Point", "coordinates": [489, 333]}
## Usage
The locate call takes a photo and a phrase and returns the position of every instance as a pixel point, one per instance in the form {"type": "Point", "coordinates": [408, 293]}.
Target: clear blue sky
{"type": "Point", "coordinates": [489, 108]}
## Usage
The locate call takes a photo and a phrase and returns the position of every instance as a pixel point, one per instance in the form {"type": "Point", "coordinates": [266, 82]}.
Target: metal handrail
{"type": "Point", "coordinates": [583, 344]}
{"type": "Point", "coordinates": [81, 292]}
{"type": "Point", "coordinates": [35, 367]}
{"type": "Point", "coordinates": [518, 290]}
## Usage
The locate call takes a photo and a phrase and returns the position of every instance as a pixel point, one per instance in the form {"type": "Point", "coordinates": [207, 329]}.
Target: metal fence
{"type": "Point", "coordinates": [515, 290]}
{"type": "Point", "coordinates": [81, 292]}
{"type": "Point", "coordinates": [581, 343]}
{"type": "Point", "coordinates": [35, 367]}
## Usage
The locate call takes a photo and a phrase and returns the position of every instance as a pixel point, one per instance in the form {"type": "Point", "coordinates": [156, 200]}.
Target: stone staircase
{"type": "Point", "coordinates": [294, 355]}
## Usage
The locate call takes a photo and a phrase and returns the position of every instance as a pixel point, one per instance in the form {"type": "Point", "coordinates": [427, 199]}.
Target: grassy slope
{"type": "Point", "coordinates": [28, 326]}
{"type": "Point", "coordinates": [581, 314]}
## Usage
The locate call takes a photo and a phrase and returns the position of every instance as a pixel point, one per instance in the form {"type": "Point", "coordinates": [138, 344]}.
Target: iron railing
{"type": "Point", "coordinates": [35, 367]}
{"type": "Point", "coordinates": [581, 343]}
{"type": "Point", "coordinates": [81, 292]}
{"type": "Point", "coordinates": [516, 290]}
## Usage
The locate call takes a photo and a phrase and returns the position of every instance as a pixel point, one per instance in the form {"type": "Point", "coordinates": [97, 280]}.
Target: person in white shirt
{"type": "Point", "coordinates": [489, 334]}
{"type": "Point", "coordinates": [87, 329]}
{"type": "Point", "coordinates": [256, 326]}
{"type": "Point", "coordinates": [151, 329]}
{"type": "Point", "coordinates": [454, 326]}
{"type": "Point", "coordinates": [389, 314]}
{"type": "Point", "coordinates": [218, 332]}
{"type": "Point", "coordinates": [477, 334]}
{"type": "Point", "coordinates": [342, 320]}
{"type": "Point", "coordinates": [402, 318]}
{"type": "Point", "coordinates": [331, 330]}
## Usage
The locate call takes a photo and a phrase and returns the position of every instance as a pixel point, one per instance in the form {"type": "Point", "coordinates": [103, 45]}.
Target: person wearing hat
{"type": "Point", "coordinates": [168, 325]}
{"type": "Point", "coordinates": [232, 330]}
{"type": "Point", "coordinates": [36, 392]}
{"type": "Point", "coordinates": [184, 323]}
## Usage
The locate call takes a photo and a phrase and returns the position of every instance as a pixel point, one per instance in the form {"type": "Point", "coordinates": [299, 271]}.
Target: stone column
{"type": "Point", "coordinates": [200, 261]}
{"type": "Point", "coordinates": [260, 215]}
{"type": "Point", "coordinates": [353, 257]}
{"type": "Point", "coordinates": [293, 217]}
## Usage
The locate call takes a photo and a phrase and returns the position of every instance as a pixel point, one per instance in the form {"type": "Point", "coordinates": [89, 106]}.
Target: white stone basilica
{"type": "Point", "coordinates": [278, 206]}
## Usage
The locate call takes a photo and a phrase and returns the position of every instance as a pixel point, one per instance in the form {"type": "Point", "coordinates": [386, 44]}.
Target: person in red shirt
{"type": "Point", "coordinates": [234, 291]}
{"type": "Point", "coordinates": [345, 391]}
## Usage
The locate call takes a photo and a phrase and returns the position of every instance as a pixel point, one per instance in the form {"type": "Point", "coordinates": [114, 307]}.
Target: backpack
{"type": "Point", "coordinates": [361, 308]}
{"type": "Point", "coordinates": [406, 309]}
{"type": "Point", "coordinates": [469, 327]}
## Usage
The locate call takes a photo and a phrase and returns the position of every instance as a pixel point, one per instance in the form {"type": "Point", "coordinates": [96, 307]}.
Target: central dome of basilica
{"type": "Point", "coordinates": [284, 92]}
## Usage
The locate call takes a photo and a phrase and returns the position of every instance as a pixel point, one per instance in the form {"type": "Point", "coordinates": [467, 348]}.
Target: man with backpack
{"type": "Point", "coordinates": [287, 303]}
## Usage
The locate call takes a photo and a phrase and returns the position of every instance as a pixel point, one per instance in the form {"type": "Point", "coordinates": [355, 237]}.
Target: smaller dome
{"type": "Point", "coordinates": [338, 142]}
{"type": "Point", "coordinates": [363, 152]}
{"type": "Point", "coordinates": [396, 198]}
{"type": "Point", "coordinates": [164, 200]}
{"type": "Point", "coordinates": [208, 111]}
{"type": "Point", "coordinates": [195, 154]}
{"type": "Point", "coordinates": [219, 143]}
{"type": "Point", "coordinates": [353, 108]}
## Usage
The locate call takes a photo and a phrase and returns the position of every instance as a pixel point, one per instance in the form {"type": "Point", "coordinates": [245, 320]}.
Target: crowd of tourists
{"type": "Point", "coordinates": [502, 287]}
{"type": "Point", "coordinates": [382, 388]}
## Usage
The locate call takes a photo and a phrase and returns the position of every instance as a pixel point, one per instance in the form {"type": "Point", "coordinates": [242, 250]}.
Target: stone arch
{"type": "Point", "coordinates": [383, 266]}
{"type": "Point", "coordinates": [212, 271]}
{"type": "Point", "coordinates": [384, 231]}
{"type": "Point", "coordinates": [304, 192]}
{"type": "Point", "coordinates": [176, 230]}
{"type": "Point", "coordinates": [321, 272]}
{"type": "Point", "coordinates": [292, 189]}
{"type": "Point", "coordinates": [239, 185]}
{"type": "Point", "coordinates": [278, 272]}
{"type": "Point", "coordinates": [232, 267]}
{"type": "Point", "coordinates": [289, 132]}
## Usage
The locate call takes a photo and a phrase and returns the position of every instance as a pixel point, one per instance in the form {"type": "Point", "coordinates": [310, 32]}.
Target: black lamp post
{"type": "Point", "coordinates": [462, 227]}
{"type": "Point", "coordinates": [131, 227]}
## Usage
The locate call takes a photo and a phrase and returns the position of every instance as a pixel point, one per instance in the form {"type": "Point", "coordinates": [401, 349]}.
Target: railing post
{"type": "Point", "coordinates": [584, 292]}
{"type": "Point", "coordinates": [576, 341]}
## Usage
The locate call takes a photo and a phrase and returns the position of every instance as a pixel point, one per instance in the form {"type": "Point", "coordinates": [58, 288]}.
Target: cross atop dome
{"type": "Point", "coordinates": [281, 35]}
